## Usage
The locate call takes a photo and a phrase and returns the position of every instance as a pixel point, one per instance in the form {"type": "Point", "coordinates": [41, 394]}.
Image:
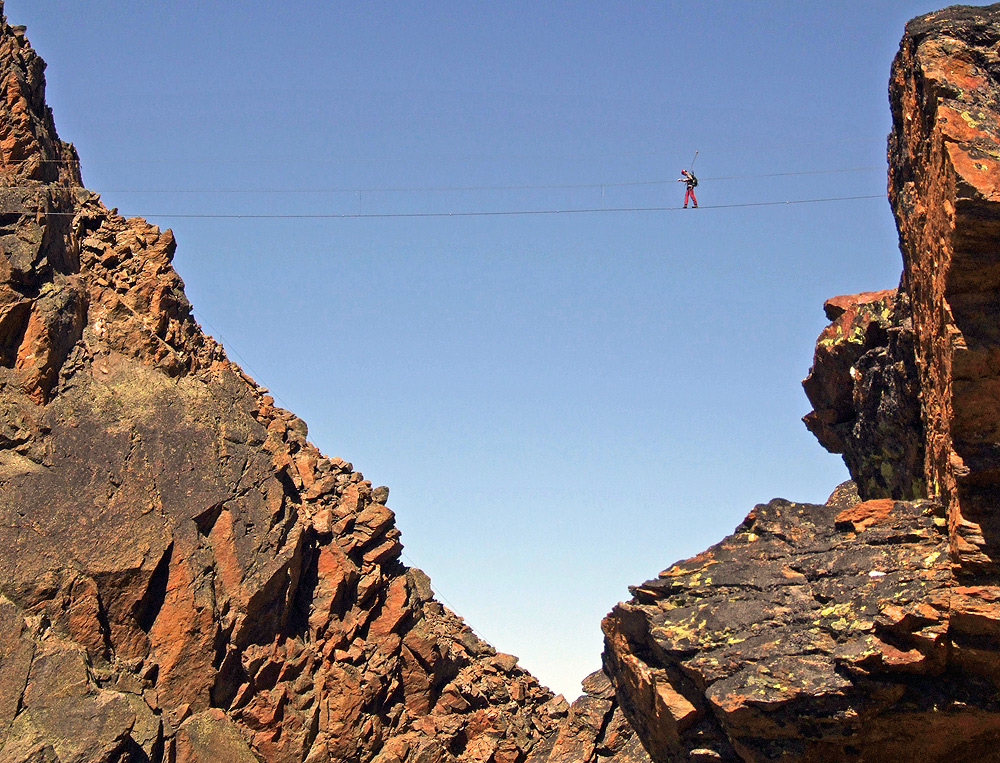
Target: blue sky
{"type": "Point", "coordinates": [561, 404]}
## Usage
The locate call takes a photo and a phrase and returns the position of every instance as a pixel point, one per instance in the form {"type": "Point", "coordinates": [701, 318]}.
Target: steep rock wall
{"type": "Point", "coordinates": [943, 183]}
{"type": "Point", "coordinates": [930, 404]}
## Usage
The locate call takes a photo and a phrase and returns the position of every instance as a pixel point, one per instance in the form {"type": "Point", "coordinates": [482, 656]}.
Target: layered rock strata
{"type": "Point", "coordinates": [868, 628]}
{"type": "Point", "coordinates": [944, 174]}
{"type": "Point", "coordinates": [183, 575]}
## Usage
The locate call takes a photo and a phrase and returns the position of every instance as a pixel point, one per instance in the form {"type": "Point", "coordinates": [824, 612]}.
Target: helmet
{"type": "Point", "coordinates": [684, 172]}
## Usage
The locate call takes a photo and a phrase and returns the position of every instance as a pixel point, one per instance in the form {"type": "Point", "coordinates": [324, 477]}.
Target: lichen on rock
{"type": "Point", "coordinates": [865, 394]}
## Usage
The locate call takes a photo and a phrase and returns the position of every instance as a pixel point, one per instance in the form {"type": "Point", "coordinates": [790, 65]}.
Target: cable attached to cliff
{"type": "Point", "coordinates": [466, 188]}
{"type": "Point", "coordinates": [482, 213]}
{"type": "Point", "coordinates": [284, 161]}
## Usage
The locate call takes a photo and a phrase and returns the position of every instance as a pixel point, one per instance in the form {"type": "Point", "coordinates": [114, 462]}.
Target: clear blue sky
{"type": "Point", "coordinates": [562, 405]}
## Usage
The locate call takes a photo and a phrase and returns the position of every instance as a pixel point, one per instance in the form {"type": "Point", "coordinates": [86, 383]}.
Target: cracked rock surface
{"type": "Point", "coordinates": [813, 633]}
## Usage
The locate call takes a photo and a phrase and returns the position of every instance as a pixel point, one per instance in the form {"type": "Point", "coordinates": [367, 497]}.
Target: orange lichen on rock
{"type": "Point", "coordinates": [865, 514]}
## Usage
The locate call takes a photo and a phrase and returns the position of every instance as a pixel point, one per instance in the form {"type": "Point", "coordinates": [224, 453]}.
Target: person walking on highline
{"type": "Point", "coordinates": [691, 181]}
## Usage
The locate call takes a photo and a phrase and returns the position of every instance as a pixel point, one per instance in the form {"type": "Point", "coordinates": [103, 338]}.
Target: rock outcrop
{"type": "Point", "coordinates": [943, 183]}
{"type": "Point", "coordinates": [867, 628]}
{"type": "Point", "coordinates": [931, 403]}
{"type": "Point", "coordinates": [813, 633]}
{"type": "Point", "coordinates": [865, 390]}
{"type": "Point", "coordinates": [183, 575]}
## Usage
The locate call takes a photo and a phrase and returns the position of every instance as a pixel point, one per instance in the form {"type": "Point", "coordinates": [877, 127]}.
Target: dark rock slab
{"type": "Point", "coordinates": [813, 633]}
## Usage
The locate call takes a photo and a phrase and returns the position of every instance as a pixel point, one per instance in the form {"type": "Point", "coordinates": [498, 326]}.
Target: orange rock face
{"type": "Point", "coordinates": [943, 182]}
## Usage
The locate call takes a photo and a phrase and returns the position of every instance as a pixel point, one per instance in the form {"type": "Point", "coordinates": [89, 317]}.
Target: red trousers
{"type": "Point", "coordinates": [689, 194]}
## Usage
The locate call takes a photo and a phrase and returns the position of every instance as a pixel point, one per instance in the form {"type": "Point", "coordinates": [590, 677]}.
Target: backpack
{"type": "Point", "coordinates": [693, 179]}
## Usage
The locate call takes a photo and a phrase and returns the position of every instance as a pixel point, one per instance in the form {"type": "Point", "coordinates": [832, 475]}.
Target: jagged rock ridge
{"type": "Point", "coordinates": [183, 576]}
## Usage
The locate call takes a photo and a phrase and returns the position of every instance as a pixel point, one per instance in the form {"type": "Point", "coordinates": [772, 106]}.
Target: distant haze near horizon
{"type": "Point", "coordinates": [562, 402]}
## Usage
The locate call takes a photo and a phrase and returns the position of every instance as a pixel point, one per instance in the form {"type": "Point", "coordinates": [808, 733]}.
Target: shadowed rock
{"type": "Point", "coordinates": [865, 392]}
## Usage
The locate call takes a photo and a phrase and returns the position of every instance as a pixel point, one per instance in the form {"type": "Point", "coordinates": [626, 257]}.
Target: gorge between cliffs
{"type": "Point", "coordinates": [186, 578]}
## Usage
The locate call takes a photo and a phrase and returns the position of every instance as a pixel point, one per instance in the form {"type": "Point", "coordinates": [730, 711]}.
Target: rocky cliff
{"type": "Point", "coordinates": [183, 575]}
{"type": "Point", "coordinates": [943, 182]}
{"type": "Point", "coordinates": [937, 333]}
{"type": "Point", "coordinates": [868, 628]}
